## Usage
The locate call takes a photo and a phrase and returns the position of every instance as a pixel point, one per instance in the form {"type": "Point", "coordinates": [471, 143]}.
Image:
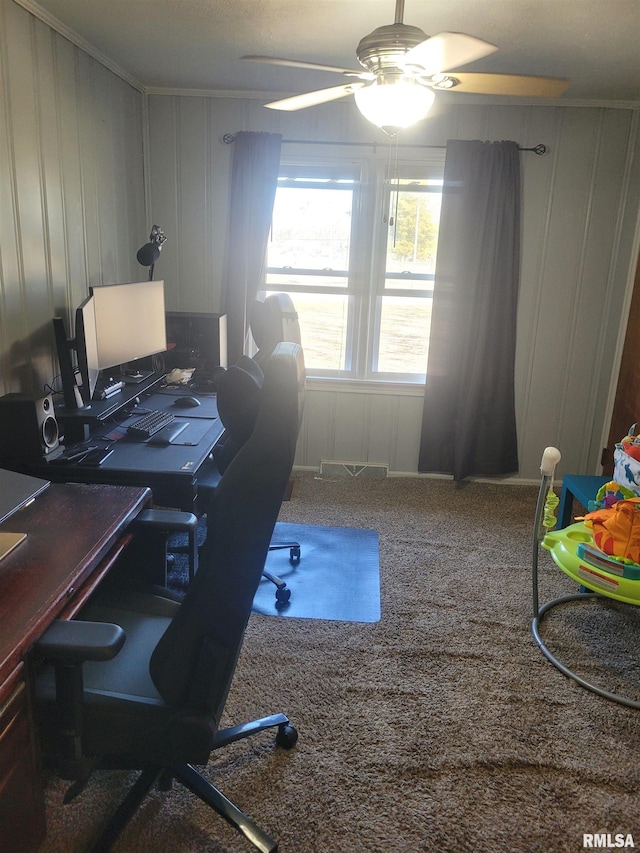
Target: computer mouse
{"type": "Point", "coordinates": [186, 402]}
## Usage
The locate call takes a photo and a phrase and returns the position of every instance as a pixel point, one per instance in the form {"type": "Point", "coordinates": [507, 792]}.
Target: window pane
{"type": "Point", "coordinates": [323, 329]}
{"type": "Point", "coordinates": [413, 237]}
{"type": "Point", "coordinates": [311, 228]}
{"type": "Point", "coordinates": [404, 335]}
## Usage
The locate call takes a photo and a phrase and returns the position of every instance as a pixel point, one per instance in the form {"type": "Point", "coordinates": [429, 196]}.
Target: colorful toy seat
{"type": "Point", "coordinates": [571, 553]}
{"type": "Point", "coordinates": [597, 574]}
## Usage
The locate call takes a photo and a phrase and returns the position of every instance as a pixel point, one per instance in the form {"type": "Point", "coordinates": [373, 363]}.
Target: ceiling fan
{"type": "Point", "coordinates": [403, 67]}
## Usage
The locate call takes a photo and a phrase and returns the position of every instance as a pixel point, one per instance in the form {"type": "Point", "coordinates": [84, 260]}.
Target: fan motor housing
{"type": "Point", "coordinates": [382, 48]}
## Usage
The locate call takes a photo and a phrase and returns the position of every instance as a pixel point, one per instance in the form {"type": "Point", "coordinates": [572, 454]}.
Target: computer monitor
{"type": "Point", "coordinates": [115, 325]}
{"type": "Point", "coordinates": [197, 340]}
{"type": "Point", "coordinates": [129, 322]}
{"type": "Point", "coordinates": [64, 345]}
{"type": "Point", "coordinates": [87, 347]}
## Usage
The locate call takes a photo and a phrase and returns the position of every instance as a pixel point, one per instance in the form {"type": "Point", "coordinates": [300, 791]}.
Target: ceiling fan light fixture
{"type": "Point", "coordinates": [394, 106]}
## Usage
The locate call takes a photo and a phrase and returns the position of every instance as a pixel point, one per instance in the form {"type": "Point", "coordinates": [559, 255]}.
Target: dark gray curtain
{"type": "Point", "coordinates": [468, 426]}
{"type": "Point", "coordinates": [254, 178]}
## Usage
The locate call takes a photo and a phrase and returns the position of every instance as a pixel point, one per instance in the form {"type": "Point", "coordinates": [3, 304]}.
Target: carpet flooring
{"type": "Point", "coordinates": [441, 727]}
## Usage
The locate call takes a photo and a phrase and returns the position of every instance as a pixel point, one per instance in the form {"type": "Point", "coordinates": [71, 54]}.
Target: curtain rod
{"type": "Point", "coordinates": [228, 138]}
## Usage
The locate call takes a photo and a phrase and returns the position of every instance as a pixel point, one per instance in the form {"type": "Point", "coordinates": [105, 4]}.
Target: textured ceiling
{"type": "Point", "coordinates": [196, 44]}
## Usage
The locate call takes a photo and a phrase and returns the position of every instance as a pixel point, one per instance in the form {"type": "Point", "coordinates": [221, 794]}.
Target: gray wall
{"type": "Point", "coordinates": [71, 189]}
{"type": "Point", "coordinates": [88, 163]}
{"type": "Point", "coordinates": [580, 211]}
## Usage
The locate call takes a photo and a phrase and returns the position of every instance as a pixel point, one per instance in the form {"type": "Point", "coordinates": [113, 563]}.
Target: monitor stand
{"type": "Point", "coordinates": [135, 377]}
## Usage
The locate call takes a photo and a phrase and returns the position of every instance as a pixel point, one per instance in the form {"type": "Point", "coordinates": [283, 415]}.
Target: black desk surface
{"type": "Point", "coordinates": [170, 471]}
{"type": "Point", "coordinates": [101, 410]}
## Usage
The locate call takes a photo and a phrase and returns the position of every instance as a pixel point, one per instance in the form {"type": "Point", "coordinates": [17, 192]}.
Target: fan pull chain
{"type": "Point", "coordinates": [392, 172]}
{"type": "Point", "coordinates": [394, 219]}
{"type": "Point", "coordinates": [386, 219]}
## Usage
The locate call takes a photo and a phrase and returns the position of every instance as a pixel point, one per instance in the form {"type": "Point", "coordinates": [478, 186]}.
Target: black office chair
{"type": "Point", "coordinates": [274, 320]}
{"type": "Point", "coordinates": [238, 390]}
{"type": "Point", "coordinates": [271, 322]}
{"type": "Point", "coordinates": [155, 701]}
{"type": "Point", "coordinates": [239, 393]}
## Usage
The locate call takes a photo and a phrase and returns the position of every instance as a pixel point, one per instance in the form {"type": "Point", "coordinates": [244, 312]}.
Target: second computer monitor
{"type": "Point", "coordinates": [87, 347]}
{"type": "Point", "coordinates": [129, 322]}
{"type": "Point", "coordinates": [197, 339]}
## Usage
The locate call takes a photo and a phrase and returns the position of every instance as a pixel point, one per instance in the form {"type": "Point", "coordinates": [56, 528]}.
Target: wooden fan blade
{"type": "Point", "coordinates": [507, 84]}
{"type": "Point", "coordinates": [314, 66]}
{"type": "Point", "coordinates": [311, 99]}
{"type": "Point", "coordinates": [445, 51]}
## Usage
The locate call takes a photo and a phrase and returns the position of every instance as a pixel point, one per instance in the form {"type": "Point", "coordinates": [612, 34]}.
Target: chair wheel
{"type": "Point", "coordinates": [283, 595]}
{"type": "Point", "coordinates": [287, 736]}
{"type": "Point", "coordinates": [294, 554]}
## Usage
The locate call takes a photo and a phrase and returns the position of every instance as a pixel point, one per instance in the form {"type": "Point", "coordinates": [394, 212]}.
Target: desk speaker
{"type": "Point", "coordinates": [28, 426]}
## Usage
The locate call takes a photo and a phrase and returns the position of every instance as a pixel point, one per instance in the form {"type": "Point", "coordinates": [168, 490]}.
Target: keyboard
{"type": "Point", "coordinates": [150, 424]}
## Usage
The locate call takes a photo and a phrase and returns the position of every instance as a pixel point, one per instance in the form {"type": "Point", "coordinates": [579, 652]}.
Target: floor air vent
{"type": "Point", "coordinates": [353, 469]}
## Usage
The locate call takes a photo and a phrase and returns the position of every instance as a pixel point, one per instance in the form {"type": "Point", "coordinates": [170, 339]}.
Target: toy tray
{"type": "Point", "coordinates": [563, 547]}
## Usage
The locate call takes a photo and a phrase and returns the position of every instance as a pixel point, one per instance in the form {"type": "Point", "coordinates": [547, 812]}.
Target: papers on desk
{"type": "Point", "coordinates": [179, 376]}
{"type": "Point", "coordinates": [9, 541]}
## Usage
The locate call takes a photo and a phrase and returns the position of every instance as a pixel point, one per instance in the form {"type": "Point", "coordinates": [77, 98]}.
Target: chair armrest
{"type": "Point", "coordinates": [72, 642]}
{"type": "Point", "coordinates": [172, 521]}
{"type": "Point", "coordinates": [167, 519]}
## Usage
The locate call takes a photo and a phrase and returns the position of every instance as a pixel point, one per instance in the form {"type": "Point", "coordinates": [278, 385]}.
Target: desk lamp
{"type": "Point", "coordinates": [150, 252]}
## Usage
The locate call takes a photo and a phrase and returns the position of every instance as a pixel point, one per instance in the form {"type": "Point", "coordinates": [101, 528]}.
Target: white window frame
{"type": "Point", "coordinates": [367, 261]}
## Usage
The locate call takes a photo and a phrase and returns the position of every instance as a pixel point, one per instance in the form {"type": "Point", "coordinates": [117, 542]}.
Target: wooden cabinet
{"type": "Point", "coordinates": [22, 813]}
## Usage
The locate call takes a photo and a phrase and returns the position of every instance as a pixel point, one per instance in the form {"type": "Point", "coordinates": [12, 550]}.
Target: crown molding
{"type": "Point", "coordinates": [211, 93]}
{"type": "Point", "coordinates": [42, 15]}
{"type": "Point", "coordinates": [443, 98]}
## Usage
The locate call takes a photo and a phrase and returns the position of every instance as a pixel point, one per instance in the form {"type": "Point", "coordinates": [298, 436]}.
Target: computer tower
{"type": "Point", "coordinates": [28, 427]}
{"type": "Point", "coordinates": [196, 340]}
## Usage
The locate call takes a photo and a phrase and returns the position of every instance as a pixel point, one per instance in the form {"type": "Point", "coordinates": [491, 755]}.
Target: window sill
{"type": "Point", "coordinates": [368, 386]}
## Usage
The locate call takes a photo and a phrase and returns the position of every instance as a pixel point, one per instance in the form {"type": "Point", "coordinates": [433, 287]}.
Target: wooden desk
{"type": "Point", "coordinates": [74, 535]}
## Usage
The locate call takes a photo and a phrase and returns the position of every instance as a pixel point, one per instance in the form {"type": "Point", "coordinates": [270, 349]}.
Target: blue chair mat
{"type": "Point", "coordinates": [337, 577]}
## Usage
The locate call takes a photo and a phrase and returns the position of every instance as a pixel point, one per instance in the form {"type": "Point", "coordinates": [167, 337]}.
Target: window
{"type": "Point", "coordinates": [401, 344]}
{"type": "Point", "coordinates": [357, 253]}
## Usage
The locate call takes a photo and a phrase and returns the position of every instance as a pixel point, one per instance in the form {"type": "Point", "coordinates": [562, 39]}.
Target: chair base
{"type": "Point", "coordinates": [201, 787]}
{"type": "Point", "coordinates": [283, 595]}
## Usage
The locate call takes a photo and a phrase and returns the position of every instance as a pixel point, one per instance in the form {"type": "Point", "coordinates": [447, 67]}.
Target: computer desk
{"type": "Point", "coordinates": [171, 472]}
{"type": "Point", "coordinates": [74, 535]}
